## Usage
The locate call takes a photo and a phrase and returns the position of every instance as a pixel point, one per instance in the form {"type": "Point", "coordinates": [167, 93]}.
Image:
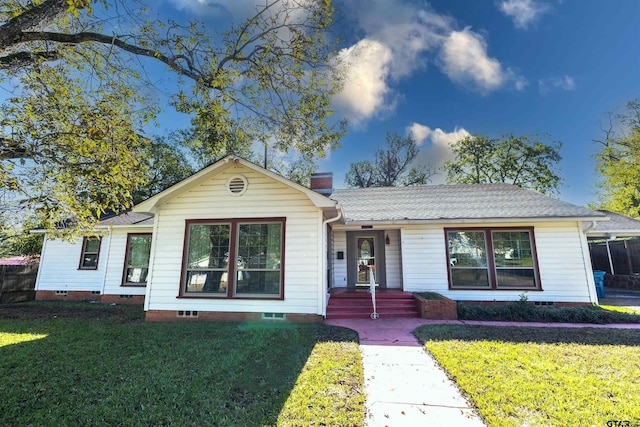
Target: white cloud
{"type": "Point", "coordinates": [435, 146]}
{"type": "Point", "coordinates": [419, 133]}
{"type": "Point", "coordinates": [394, 46]}
{"type": "Point", "coordinates": [365, 93]}
{"type": "Point", "coordinates": [465, 60]}
{"type": "Point", "coordinates": [556, 83]}
{"type": "Point", "coordinates": [404, 39]}
{"type": "Point", "coordinates": [523, 12]}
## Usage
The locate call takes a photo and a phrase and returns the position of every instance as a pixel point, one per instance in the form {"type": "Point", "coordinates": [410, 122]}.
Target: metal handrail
{"type": "Point", "coordinates": [372, 289]}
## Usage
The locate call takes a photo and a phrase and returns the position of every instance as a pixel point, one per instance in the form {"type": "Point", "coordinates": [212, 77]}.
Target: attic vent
{"type": "Point", "coordinates": [237, 185]}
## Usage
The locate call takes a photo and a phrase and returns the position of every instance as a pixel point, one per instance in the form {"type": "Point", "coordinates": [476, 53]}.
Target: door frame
{"type": "Point", "coordinates": [352, 255]}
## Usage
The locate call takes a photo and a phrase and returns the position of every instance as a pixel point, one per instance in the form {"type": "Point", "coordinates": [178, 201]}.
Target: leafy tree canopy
{"type": "Point", "coordinates": [390, 167]}
{"type": "Point", "coordinates": [619, 162]}
{"type": "Point", "coordinates": [520, 160]}
{"type": "Point", "coordinates": [166, 164]}
{"type": "Point", "coordinates": [79, 74]}
{"type": "Point", "coordinates": [17, 239]}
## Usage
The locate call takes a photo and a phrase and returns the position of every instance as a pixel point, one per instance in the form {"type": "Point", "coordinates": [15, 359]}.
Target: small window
{"type": "Point", "coordinates": [136, 263]}
{"type": "Point", "coordinates": [274, 316]}
{"type": "Point", "coordinates": [90, 253]}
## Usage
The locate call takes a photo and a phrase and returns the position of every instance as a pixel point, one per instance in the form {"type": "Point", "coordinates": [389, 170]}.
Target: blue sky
{"type": "Point", "coordinates": [442, 69]}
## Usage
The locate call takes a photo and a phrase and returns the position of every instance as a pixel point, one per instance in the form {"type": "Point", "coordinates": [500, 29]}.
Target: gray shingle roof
{"type": "Point", "coordinates": [617, 224]}
{"type": "Point", "coordinates": [451, 202]}
{"type": "Point", "coordinates": [129, 218]}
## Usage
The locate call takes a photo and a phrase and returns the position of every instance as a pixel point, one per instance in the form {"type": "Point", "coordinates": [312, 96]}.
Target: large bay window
{"type": "Point", "coordinates": [492, 259]}
{"type": "Point", "coordinates": [234, 258]}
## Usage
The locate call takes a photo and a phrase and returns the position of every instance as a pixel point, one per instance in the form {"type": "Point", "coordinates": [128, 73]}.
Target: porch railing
{"type": "Point", "coordinates": [372, 289]}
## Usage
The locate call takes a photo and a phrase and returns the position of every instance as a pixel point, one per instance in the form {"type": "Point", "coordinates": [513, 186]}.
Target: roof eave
{"type": "Point", "coordinates": [609, 233]}
{"type": "Point", "coordinates": [150, 226]}
{"type": "Point", "coordinates": [472, 220]}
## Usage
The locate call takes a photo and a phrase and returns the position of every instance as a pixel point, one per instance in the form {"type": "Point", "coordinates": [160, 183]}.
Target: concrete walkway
{"type": "Point", "coordinates": [405, 385]}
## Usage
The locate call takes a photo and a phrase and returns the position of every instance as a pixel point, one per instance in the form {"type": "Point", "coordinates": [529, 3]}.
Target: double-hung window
{"type": "Point", "coordinates": [90, 253]}
{"type": "Point", "coordinates": [136, 263]}
{"type": "Point", "coordinates": [492, 259]}
{"type": "Point", "coordinates": [234, 258]}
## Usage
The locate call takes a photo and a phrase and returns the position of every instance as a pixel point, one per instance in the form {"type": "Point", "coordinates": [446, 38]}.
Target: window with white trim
{"type": "Point", "coordinates": [498, 259]}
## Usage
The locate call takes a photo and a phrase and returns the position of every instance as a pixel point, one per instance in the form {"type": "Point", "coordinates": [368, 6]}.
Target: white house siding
{"type": "Point", "coordinates": [339, 265]}
{"type": "Point", "coordinates": [564, 271]}
{"type": "Point", "coordinates": [263, 198]}
{"type": "Point", "coordinates": [115, 264]}
{"type": "Point", "coordinates": [58, 270]}
{"type": "Point", "coordinates": [393, 259]}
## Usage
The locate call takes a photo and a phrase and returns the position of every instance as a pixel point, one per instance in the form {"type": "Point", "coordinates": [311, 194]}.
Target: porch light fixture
{"type": "Point", "coordinates": [386, 239]}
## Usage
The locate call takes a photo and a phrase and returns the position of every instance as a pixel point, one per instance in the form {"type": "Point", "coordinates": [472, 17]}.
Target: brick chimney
{"type": "Point", "coordinates": [322, 182]}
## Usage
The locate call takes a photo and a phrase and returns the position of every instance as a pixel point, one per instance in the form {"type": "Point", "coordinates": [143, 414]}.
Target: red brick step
{"type": "Point", "coordinates": [356, 304]}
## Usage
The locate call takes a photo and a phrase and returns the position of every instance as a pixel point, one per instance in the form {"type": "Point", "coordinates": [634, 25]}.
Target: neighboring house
{"type": "Point", "coordinates": [236, 241]}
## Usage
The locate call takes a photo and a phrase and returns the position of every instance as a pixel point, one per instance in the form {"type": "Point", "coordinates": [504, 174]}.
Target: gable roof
{"type": "Point", "coordinates": [149, 205]}
{"type": "Point", "coordinates": [466, 202]}
{"type": "Point", "coordinates": [619, 225]}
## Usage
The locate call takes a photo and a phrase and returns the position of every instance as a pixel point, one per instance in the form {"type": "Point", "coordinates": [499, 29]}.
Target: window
{"type": "Point", "coordinates": [90, 253]}
{"type": "Point", "coordinates": [492, 259]}
{"type": "Point", "coordinates": [234, 258]}
{"type": "Point", "coordinates": [136, 262]}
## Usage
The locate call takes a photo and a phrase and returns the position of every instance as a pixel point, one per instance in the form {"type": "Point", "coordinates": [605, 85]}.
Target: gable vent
{"type": "Point", "coordinates": [237, 185]}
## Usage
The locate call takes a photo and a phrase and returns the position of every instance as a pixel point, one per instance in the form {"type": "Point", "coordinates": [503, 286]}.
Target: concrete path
{"type": "Point", "coordinates": [404, 384]}
{"type": "Point", "coordinates": [629, 298]}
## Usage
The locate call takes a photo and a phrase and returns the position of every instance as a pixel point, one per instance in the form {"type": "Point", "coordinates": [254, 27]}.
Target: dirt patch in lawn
{"type": "Point", "coordinates": [25, 312]}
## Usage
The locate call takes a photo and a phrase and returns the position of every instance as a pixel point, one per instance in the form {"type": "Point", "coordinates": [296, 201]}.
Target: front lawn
{"type": "Point", "coordinates": [542, 376]}
{"type": "Point", "coordinates": [72, 368]}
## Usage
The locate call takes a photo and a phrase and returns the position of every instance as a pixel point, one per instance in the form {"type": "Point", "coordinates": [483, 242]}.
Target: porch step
{"type": "Point", "coordinates": [358, 305]}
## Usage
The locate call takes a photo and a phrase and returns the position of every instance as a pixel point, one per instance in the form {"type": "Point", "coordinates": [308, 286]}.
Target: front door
{"type": "Point", "coordinates": [364, 250]}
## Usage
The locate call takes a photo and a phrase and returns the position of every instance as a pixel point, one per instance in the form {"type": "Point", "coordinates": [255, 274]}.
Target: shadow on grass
{"type": "Point", "coordinates": [115, 369]}
{"type": "Point", "coordinates": [591, 336]}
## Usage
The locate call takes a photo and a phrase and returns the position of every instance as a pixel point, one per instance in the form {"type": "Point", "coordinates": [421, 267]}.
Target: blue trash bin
{"type": "Point", "coordinates": [598, 277]}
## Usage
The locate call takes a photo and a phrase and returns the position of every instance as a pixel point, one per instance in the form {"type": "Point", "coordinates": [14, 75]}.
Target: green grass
{"type": "Point", "coordinates": [96, 365]}
{"type": "Point", "coordinates": [526, 312]}
{"type": "Point", "coordinates": [542, 376]}
{"type": "Point", "coordinates": [619, 309]}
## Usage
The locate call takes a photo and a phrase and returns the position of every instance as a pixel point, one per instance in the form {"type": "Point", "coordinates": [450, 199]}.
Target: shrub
{"type": "Point", "coordinates": [520, 311]}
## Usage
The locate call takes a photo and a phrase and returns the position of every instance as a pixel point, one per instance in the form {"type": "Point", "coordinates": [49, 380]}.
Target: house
{"type": "Point", "coordinates": [235, 241]}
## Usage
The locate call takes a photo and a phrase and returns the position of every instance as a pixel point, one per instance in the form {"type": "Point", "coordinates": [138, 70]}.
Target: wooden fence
{"type": "Point", "coordinates": [622, 255]}
{"type": "Point", "coordinates": [17, 283]}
